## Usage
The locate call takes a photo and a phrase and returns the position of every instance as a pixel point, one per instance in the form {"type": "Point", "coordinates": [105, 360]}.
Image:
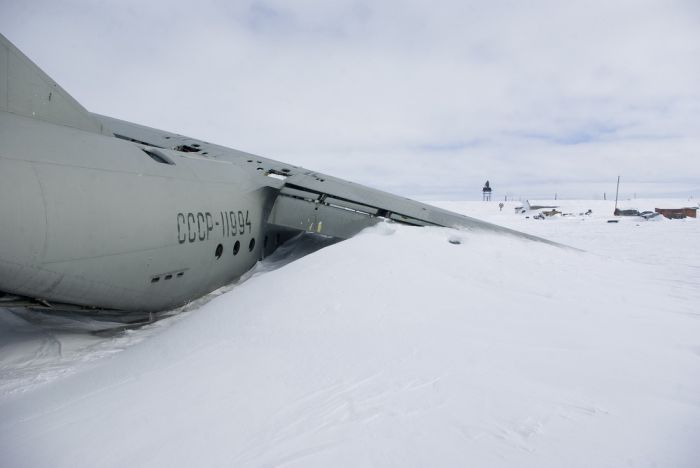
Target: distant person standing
{"type": "Point", "coordinates": [500, 206]}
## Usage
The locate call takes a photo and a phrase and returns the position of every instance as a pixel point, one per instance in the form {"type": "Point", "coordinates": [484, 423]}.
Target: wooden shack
{"type": "Point", "coordinates": [678, 213]}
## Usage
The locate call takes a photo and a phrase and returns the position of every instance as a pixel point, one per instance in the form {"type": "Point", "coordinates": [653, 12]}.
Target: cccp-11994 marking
{"type": "Point", "coordinates": [199, 226]}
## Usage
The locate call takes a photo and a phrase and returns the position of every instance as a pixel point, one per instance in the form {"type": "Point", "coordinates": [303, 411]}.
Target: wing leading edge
{"type": "Point", "coordinates": [308, 200]}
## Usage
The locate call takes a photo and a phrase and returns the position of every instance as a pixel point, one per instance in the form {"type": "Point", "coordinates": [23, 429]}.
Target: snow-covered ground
{"type": "Point", "coordinates": [395, 348]}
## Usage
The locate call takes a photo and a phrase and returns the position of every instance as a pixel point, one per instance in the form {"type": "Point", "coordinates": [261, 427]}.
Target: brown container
{"type": "Point", "coordinates": [678, 213]}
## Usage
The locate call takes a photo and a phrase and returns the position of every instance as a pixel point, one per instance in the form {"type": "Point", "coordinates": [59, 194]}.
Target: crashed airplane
{"type": "Point", "coordinates": [101, 214]}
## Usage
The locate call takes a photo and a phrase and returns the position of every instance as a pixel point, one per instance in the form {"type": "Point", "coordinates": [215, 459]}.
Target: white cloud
{"type": "Point", "coordinates": [419, 97]}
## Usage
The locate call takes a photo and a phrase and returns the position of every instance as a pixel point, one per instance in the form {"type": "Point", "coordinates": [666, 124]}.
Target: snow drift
{"type": "Point", "coordinates": [401, 348]}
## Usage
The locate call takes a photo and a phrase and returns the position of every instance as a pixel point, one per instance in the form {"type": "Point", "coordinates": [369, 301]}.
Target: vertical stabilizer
{"type": "Point", "coordinates": [26, 90]}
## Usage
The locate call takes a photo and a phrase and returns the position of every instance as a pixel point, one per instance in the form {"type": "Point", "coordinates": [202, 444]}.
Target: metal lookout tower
{"type": "Point", "coordinates": [486, 192]}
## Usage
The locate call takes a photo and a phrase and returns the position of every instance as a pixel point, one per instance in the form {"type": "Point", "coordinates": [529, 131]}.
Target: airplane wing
{"type": "Point", "coordinates": [308, 200]}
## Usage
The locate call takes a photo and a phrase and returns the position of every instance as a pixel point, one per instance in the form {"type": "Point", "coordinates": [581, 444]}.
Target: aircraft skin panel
{"type": "Point", "coordinates": [21, 185]}
{"type": "Point", "coordinates": [319, 218]}
{"type": "Point", "coordinates": [4, 67]}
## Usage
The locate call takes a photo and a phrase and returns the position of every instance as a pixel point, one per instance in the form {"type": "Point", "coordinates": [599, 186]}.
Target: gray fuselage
{"type": "Point", "coordinates": [96, 221]}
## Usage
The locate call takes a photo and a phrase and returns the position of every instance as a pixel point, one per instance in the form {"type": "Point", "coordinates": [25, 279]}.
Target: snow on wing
{"type": "Point", "coordinates": [308, 200]}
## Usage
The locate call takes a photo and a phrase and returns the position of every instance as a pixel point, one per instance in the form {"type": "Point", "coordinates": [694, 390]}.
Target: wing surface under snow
{"type": "Point", "coordinates": [308, 200]}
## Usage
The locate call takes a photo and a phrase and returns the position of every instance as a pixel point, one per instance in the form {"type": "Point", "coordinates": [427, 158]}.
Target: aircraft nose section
{"type": "Point", "coordinates": [22, 224]}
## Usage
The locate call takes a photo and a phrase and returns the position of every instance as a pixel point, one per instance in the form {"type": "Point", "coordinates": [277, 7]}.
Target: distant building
{"type": "Point", "coordinates": [678, 213]}
{"type": "Point", "coordinates": [630, 212]}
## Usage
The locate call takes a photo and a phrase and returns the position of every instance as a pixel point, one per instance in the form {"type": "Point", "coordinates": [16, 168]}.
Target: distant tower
{"type": "Point", "coordinates": [486, 191]}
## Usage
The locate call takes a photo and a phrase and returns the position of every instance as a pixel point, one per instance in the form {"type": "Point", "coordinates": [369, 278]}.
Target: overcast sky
{"type": "Point", "coordinates": [424, 98]}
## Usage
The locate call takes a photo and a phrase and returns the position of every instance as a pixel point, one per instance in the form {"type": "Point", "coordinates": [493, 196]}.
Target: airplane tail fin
{"type": "Point", "coordinates": [27, 91]}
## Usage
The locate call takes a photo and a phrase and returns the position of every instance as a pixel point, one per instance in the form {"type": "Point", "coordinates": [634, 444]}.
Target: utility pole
{"type": "Point", "coordinates": [617, 192]}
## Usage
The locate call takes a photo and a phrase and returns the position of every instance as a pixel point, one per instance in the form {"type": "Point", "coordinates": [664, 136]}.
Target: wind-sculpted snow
{"type": "Point", "coordinates": [404, 347]}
